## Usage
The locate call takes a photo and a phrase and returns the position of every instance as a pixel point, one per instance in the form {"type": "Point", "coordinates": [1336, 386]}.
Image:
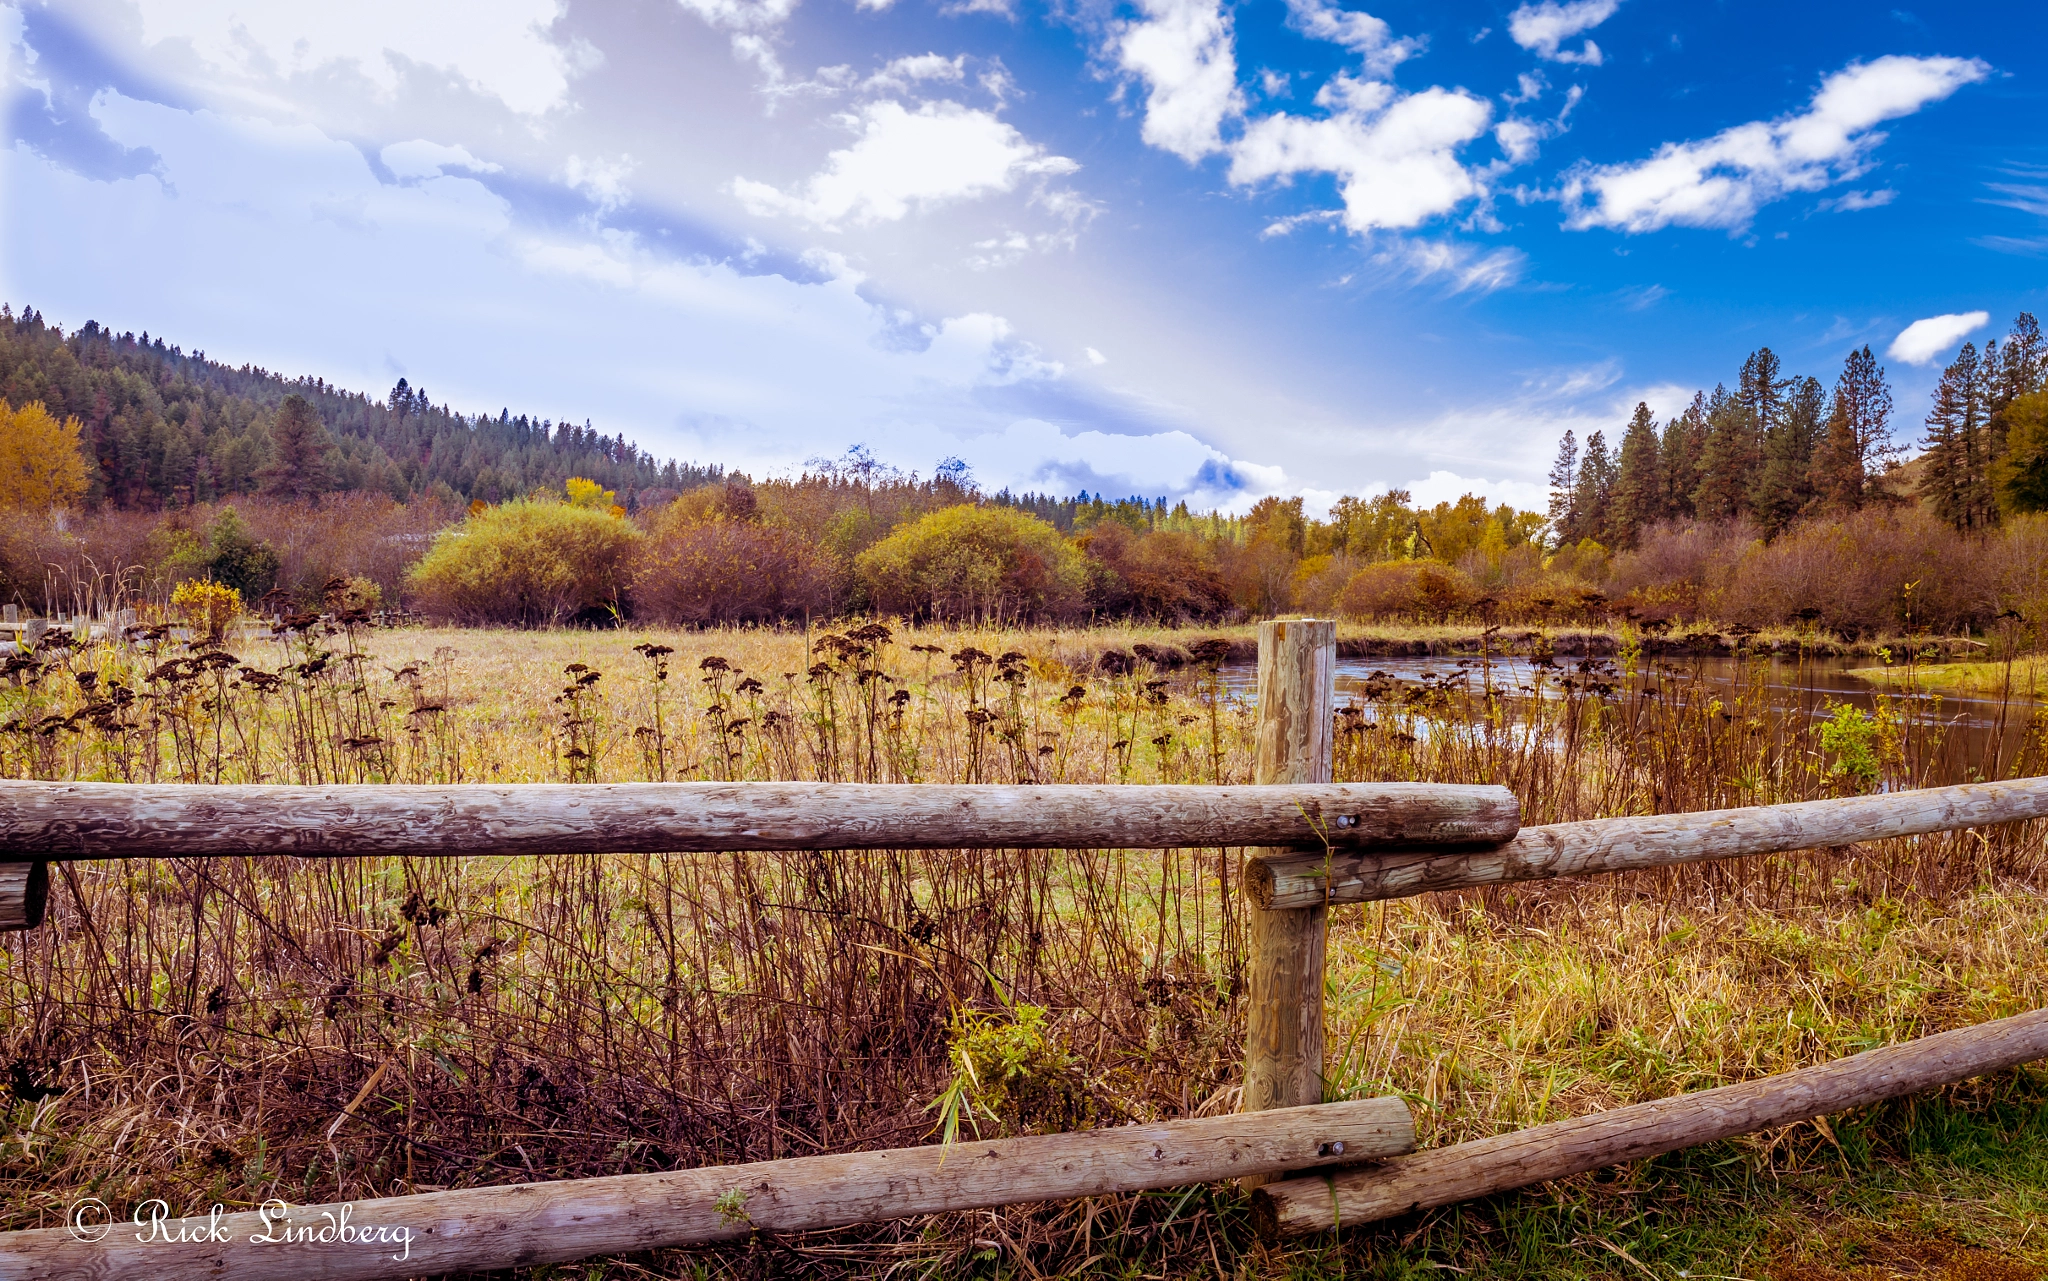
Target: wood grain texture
{"type": "Point", "coordinates": [484, 1229]}
{"type": "Point", "coordinates": [24, 889]}
{"type": "Point", "coordinates": [1284, 1010]}
{"type": "Point", "coordinates": [1625, 844]}
{"type": "Point", "coordinates": [125, 820]}
{"type": "Point", "coordinates": [1463, 1171]}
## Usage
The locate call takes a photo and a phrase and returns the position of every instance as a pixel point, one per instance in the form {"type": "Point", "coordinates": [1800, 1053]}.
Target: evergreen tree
{"type": "Point", "coordinates": [1564, 491]}
{"type": "Point", "coordinates": [2023, 472]}
{"type": "Point", "coordinates": [1784, 484]}
{"type": "Point", "coordinates": [1955, 443]}
{"type": "Point", "coordinates": [1685, 446]}
{"type": "Point", "coordinates": [1857, 438]}
{"type": "Point", "coordinates": [298, 452]}
{"type": "Point", "coordinates": [1592, 496]}
{"type": "Point", "coordinates": [1639, 482]}
{"type": "Point", "coordinates": [1727, 461]}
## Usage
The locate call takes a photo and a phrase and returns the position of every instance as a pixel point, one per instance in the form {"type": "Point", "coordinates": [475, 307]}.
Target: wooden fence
{"type": "Point", "coordinates": [1311, 844]}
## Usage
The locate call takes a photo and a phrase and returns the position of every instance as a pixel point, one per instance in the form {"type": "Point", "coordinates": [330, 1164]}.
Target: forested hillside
{"type": "Point", "coordinates": [165, 427]}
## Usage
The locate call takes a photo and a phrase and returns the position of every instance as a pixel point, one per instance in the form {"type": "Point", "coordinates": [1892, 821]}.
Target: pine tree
{"type": "Point", "coordinates": [1784, 482]}
{"type": "Point", "coordinates": [1564, 490]}
{"type": "Point", "coordinates": [1857, 438]}
{"type": "Point", "coordinates": [1592, 495]}
{"type": "Point", "coordinates": [1955, 441]}
{"type": "Point", "coordinates": [1727, 460]}
{"type": "Point", "coordinates": [1639, 482]}
{"type": "Point", "coordinates": [1685, 445]}
{"type": "Point", "coordinates": [298, 452]}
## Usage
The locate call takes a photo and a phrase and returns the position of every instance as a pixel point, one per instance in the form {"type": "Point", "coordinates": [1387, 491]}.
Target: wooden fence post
{"type": "Point", "coordinates": [23, 889]}
{"type": "Point", "coordinates": [1283, 1064]}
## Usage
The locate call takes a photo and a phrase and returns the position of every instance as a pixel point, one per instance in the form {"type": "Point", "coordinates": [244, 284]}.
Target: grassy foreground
{"type": "Point", "coordinates": [200, 1031]}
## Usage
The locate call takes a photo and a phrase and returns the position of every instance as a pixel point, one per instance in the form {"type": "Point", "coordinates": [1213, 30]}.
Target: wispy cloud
{"type": "Point", "coordinates": [1722, 181]}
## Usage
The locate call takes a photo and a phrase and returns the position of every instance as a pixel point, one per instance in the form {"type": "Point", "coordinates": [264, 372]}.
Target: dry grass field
{"type": "Point", "coordinates": [231, 1030]}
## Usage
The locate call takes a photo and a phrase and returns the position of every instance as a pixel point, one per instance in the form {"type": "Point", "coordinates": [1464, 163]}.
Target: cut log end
{"type": "Point", "coordinates": [24, 892]}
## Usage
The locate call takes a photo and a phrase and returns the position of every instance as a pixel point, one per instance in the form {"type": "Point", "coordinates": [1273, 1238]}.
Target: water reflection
{"type": "Point", "coordinates": [1812, 687]}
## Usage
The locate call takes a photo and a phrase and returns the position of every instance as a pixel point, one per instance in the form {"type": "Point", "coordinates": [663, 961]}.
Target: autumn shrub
{"type": "Point", "coordinates": [1162, 576]}
{"type": "Point", "coordinates": [709, 559]}
{"type": "Point", "coordinates": [2013, 575]}
{"type": "Point", "coordinates": [1412, 589]}
{"type": "Point", "coordinates": [529, 562]}
{"type": "Point", "coordinates": [1320, 580]}
{"type": "Point", "coordinates": [1679, 567]}
{"type": "Point", "coordinates": [974, 562]}
{"type": "Point", "coordinates": [1871, 571]}
{"type": "Point", "coordinates": [348, 535]}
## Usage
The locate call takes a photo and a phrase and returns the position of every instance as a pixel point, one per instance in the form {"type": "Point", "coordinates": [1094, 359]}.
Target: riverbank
{"type": "Point", "coordinates": [1083, 649]}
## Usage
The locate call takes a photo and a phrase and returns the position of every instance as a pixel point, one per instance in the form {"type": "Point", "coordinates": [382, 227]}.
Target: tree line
{"type": "Point", "coordinates": [1779, 448]}
{"type": "Point", "coordinates": [162, 427]}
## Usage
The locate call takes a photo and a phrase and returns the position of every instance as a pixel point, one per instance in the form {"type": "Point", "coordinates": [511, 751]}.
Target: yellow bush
{"type": "Point", "coordinates": [528, 563]}
{"type": "Point", "coordinates": [206, 606]}
{"type": "Point", "coordinates": [975, 562]}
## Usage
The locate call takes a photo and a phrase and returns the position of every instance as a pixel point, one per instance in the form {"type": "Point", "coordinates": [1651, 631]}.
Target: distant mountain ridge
{"type": "Point", "coordinates": [166, 427]}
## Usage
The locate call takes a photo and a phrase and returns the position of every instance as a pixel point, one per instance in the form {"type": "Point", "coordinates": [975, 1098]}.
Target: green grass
{"type": "Point", "coordinates": [2026, 677]}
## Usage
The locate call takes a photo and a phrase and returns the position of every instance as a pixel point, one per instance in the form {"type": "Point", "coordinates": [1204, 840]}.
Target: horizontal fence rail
{"type": "Point", "coordinates": [57, 821]}
{"type": "Point", "coordinates": [1462, 1171]}
{"type": "Point", "coordinates": [526, 1225]}
{"type": "Point", "coordinates": [1292, 879]}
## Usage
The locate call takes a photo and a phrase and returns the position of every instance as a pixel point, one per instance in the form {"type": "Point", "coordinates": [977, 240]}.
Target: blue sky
{"type": "Point", "coordinates": [1174, 247]}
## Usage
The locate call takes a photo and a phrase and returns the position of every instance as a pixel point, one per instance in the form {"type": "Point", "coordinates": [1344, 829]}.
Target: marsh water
{"type": "Point", "coordinates": [1812, 687]}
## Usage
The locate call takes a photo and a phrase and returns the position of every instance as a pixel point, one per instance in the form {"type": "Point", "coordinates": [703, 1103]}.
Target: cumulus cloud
{"type": "Point", "coordinates": [1923, 341]}
{"type": "Point", "coordinates": [500, 48]}
{"type": "Point", "coordinates": [1363, 34]}
{"type": "Point", "coordinates": [1182, 50]}
{"type": "Point", "coordinates": [1722, 181]}
{"type": "Point", "coordinates": [1394, 155]}
{"type": "Point", "coordinates": [903, 159]}
{"type": "Point", "coordinates": [1543, 28]}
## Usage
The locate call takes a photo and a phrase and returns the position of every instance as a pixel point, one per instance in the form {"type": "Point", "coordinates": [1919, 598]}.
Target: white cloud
{"type": "Point", "coordinates": [1363, 34]}
{"type": "Point", "coordinates": [994, 8]}
{"type": "Point", "coordinates": [420, 158]}
{"type": "Point", "coordinates": [1923, 341]}
{"type": "Point", "coordinates": [1448, 487]}
{"type": "Point", "coordinates": [1722, 181]}
{"type": "Point", "coordinates": [753, 25]}
{"type": "Point", "coordinates": [941, 151]}
{"type": "Point", "coordinates": [1852, 201]}
{"type": "Point", "coordinates": [1462, 268]}
{"type": "Point", "coordinates": [1395, 156]}
{"type": "Point", "coordinates": [1182, 49]}
{"type": "Point", "coordinates": [1094, 357]}
{"type": "Point", "coordinates": [498, 47]}
{"type": "Point", "coordinates": [902, 73]}
{"type": "Point", "coordinates": [604, 181]}
{"type": "Point", "coordinates": [1543, 28]}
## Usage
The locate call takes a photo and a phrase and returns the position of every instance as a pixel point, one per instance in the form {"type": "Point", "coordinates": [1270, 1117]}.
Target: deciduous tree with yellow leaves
{"type": "Point", "coordinates": [40, 463]}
